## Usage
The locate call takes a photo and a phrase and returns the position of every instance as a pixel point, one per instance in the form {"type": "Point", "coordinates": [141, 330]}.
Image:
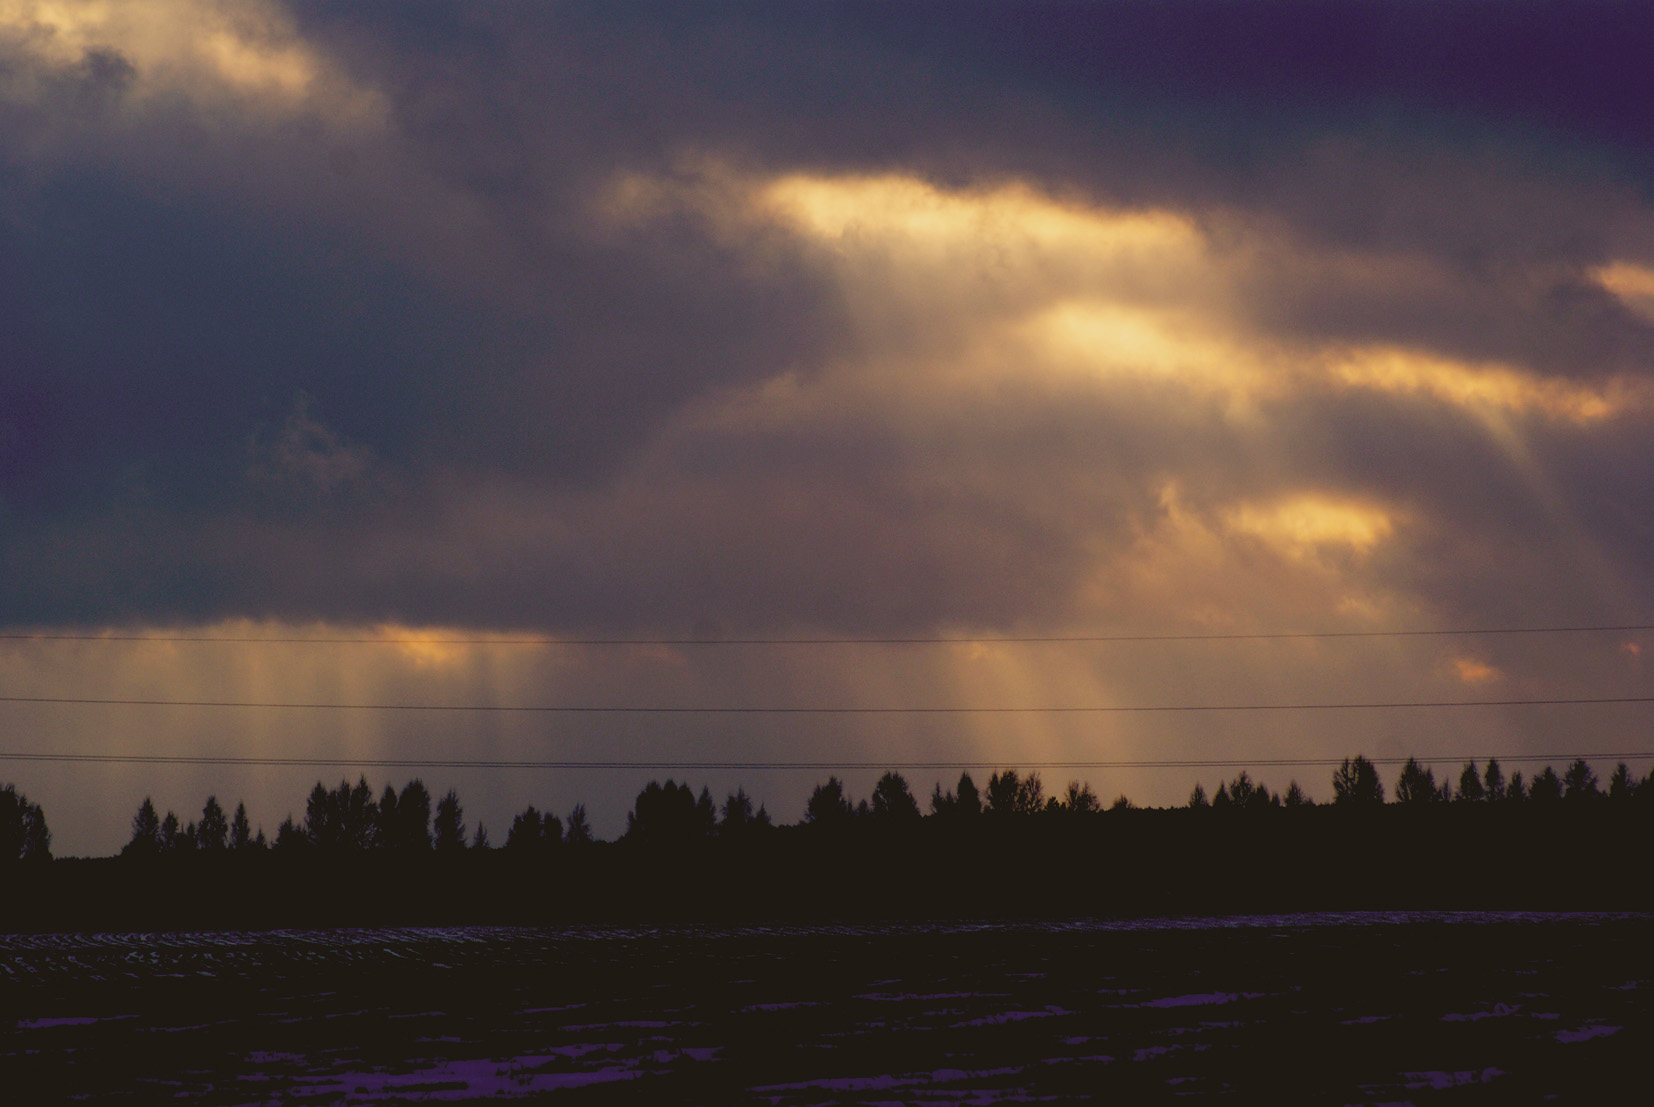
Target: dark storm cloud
{"type": "Point", "coordinates": [507, 395]}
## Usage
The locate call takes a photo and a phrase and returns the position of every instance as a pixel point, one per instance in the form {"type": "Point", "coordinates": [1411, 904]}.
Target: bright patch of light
{"type": "Point", "coordinates": [1484, 386]}
{"type": "Point", "coordinates": [1114, 339]}
{"type": "Point", "coordinates": [1473, 671]}
{"type": "Point", "coordinates": [1304, 524]}
{"type": "Point", "coordinates": [206, 49]}
{"type": "Point", "coordinates": [1632, 284]}
{"type": "Point", "coordinates": [873, 209]}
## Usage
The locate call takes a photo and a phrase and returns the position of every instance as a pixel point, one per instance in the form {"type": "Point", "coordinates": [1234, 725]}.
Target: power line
{"type": "Point", "coordinates": [710, 765]}
{"type": "Point", "coordinates": [645, 709]}
{"type": "Point", "coordinates": [915, 640]}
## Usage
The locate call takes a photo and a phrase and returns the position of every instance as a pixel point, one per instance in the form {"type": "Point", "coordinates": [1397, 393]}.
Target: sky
{"type": "Point", "coordinates": [389, 325]}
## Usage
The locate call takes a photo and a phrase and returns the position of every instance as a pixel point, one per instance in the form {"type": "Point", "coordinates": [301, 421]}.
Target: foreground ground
{"type": "Point", "coordinates": [1366, 1008]}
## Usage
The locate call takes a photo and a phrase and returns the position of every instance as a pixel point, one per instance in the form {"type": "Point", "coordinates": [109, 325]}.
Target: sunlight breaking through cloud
{"type": "Point", "coordinates": [1011, 277]}
{"type": "Point", "coordinates": [622, 326]}
{"type": "Point", "coordinates": [1301, 525]}
{"type": "Point", "coordinates": [243, 50]}
{"type": "Point", "coordinates": [1633, 284]}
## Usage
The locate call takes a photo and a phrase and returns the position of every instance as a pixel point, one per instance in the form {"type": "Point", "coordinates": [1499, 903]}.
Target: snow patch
{"type": "Point", "coordinates": [1201, 999]}
{"type": "Point", "coordinates": [1498, 1011]}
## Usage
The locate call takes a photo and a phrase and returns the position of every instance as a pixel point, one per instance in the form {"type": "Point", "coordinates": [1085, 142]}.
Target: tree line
{"type": "Point", "coordinates": [1357, 783]}
{"type": "Point", "coordinates": [350, 818]}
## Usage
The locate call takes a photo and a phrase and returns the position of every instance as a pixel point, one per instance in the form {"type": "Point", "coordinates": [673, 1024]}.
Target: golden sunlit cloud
{"type": "Point", "coordinates": [1472, 671]}
{"type": "Point", "coordinates": [1487, 386]}
{"type": "Point", "coordinates": [1172, 348]}
{"type": "Point", "coordinates": [884, 208]}
{"type": "Point", "coordinates": [1014, 281]}
{"type": "Point", "coordinates": [425, 649]}
{"type": "Point", "coordinates": [206, 49]}
{"type": "Point", "coordinates": [1302, 525]}
{"type": "Point", "coordinates": [1632, 284]}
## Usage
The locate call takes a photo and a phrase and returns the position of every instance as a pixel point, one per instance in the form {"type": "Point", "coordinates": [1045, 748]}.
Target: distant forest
{"type": "Point", "coordinates": [1006, 848]}
{"type": "Point", "coordinates": [348, 818]}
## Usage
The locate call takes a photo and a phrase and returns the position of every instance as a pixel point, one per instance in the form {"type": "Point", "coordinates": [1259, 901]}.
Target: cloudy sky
{"type": "Point", "coordinates": [405, 323]}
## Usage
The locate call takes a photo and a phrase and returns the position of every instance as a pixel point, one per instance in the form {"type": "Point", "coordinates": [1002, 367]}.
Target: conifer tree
{"type": "Point", "coordinates": [1470, 784]}
{"type": "Point", "coordinates": [146, 832]}
{"type": "Point", "coordinates": [579, 830]}
{"type": "Point", "coordinates": [241, 831]}
{"type": "Point", "coordinates": [213, 831]}
{"type": "Point", "coordinates": [450, 824]}
{"type": "Point", "coordinates": [1356, 784]}
{"type": "Point", "coordinates": [1493, 781]}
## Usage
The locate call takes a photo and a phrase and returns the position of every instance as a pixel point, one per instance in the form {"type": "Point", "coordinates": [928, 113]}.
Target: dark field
{"type": "Point", "coordinates": [1362, 1008]}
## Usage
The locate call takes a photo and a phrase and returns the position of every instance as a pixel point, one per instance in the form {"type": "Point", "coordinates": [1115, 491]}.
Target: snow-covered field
{"type": "Point", "coordinates": [1364, 1008]}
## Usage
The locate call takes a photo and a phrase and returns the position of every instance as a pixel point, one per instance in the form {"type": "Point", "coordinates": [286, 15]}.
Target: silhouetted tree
{"type": "Point", "coordinates": [580, 831]}
{"type": "Point", "coordinates": [943, 804]}
{"type": "Point", "coordinates": [321, 824]}
{"type": "Point", "coordinates": [1122, 802]}
{"type": "Point", "coordinates": [1517, 790]}
{"type": "Point", "coordinates": [343, 819]}
{"type": "Point", "coordinates": [23, 833]}
{"type": "Point", "coordinates": [212, 833]}
{"type": "Point", "coordinates": [385, 820]}
{"type": "Point", "coordinates": [449, 824]}
{"type": "Point", "coordinates": [37, 838]}
{"type": "Point", "coordinates": [527, 832]}
{"type": "Point", "coordinates": [965, 803]}
{"type": "Point", "coordinates": [1031, 795]}
{"type": "Point", "coordinates": [146, 832]}
{"type": "Point", "coordinates": [412, 830]}
{"type": "Point", "coordinates": [1079, 799]}
{"type": "Point", "coordinates": [172, 835]}
{"type": "Point", "coordinates": [1546, 787]}
{"type": "Point", "coordinates": [892, 801]}
{"type": "Point", "coordinates": [290, 839]}
{"type": "Point", "coordinates": [1003, 788]}
{"type": "Point", "coordinates": [241, 831]}
{"type": "Point", "coordinates": [1621, 786]}
{"type": "Point", "coordinates": [1470, 784]}
{"type": "Point", "coordinates": [1493, 781]}
{"type": "Point", "coordinates": [739, 817]}
{"type": "Point", "coordinates": [1416, 785]}
{"type": "Point", "coordinates": [1220, 798]}
{"type": "Point", "coordinates": [1356, 784]}
{"type": "Point", "coordinates": [532, 831]}
{"type": "Point", "coordinates": [480, 840]}
{"type": "Point", "coordinates": [1010, 794]}
{"type": "Point", "coordinates": [1197, 798]}
{"type": "Point", "coordinates": [1249, 795]}
{"type": "Point", "coordinates": [13, 815]}
{"type": "Point", "coordinates": [360, 814]}
{"type": "Point", "coordinates": [400, 823]}
{"type": "Point", "coordinates": [1579, 783]}
{"type": "Point", "coordinates": [706, 814]}
{"type": "Point", "coordinates": [669, 813]}
{"type": "Point", "coordinates": [1295, 796]}
{"type": "Point", "coordinates": [828, 806]}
